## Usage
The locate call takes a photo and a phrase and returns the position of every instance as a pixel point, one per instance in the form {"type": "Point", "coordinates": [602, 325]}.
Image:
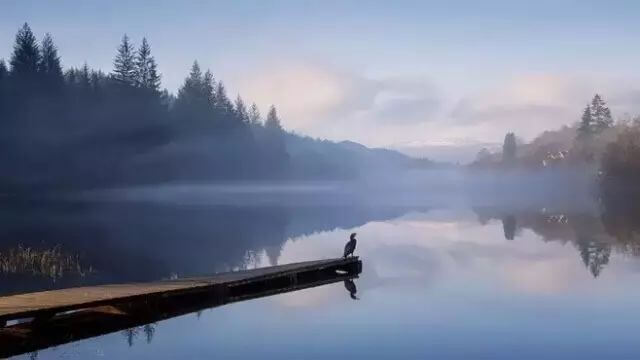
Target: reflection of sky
{"type": "Point", "coordinates": [436, 284]}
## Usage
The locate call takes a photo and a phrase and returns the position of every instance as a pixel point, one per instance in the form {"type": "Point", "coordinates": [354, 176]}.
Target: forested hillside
{"type": "Point", "coordinates": [82, 127]}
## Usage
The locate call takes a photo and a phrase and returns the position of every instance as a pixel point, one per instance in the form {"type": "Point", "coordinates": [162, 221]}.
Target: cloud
{"type": "Point", "coordinates": [304, 93]}
{"type": "Point", "coordinates": [400, 107]}
{"type": "Point", "coordinates": [527, 104]}
{"type": "Point", "coordinates": [338, 104]}
{"type": "Point", "coordinates": [312, 97]}
{"type": "Point", "coordinates": [531, 104]}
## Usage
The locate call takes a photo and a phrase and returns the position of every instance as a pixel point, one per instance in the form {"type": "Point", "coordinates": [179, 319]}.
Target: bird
{"type": "Point", "coordinates": [351, 288]}
{"type": "Point", "coordinates": [350, 247]}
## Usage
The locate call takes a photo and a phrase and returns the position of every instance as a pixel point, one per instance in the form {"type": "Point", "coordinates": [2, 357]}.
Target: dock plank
{"type": "Point", "coordinates": [56, 301]}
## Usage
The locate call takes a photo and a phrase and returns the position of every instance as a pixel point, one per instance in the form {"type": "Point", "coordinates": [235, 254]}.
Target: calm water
{"type": "Point", "coordinates": [442, 282]}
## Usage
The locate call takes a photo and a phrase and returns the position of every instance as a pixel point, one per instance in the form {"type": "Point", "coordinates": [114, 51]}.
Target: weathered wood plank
{"type": "Point", "coordinates": [56, 301]}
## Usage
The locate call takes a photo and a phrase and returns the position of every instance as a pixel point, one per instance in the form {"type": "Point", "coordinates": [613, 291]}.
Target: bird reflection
{"type": "Point", "coordinates": [351, 288]}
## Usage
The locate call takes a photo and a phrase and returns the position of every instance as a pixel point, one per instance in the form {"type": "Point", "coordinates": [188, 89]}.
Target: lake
{"type": "Point", "coordinates": [449, 280]}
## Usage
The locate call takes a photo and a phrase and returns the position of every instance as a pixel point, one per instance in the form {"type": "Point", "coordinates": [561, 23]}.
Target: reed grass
{"type": "Point", "coordinates": [53, 262]}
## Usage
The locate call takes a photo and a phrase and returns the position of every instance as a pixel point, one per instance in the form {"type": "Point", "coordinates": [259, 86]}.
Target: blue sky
{"type": "Point", "coordinates": [400, 73]}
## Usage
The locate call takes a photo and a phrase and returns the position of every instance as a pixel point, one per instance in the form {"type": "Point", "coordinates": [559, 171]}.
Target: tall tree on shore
{"type": "Point", "coordinates": [191, 90]}
{"type": "Point", "coordinates": [275, 141]}
{"type": "Point", "coordinates": [596, 117]}
{"type": "Point", "coordinates": [273, 122]}
{"type": "Point", "coordinates": [49, 65]}
{"type": "Point", "coordinates": [255, 119]}
{"type": "Point", "coordinates": [586, 123]}
{"type": "Point", "coordinates": [4, 72]}
{"type": "Point", "coordinates": [222, 103]}
{"type": "Point", "coordinates": [601, 114]}
{"type": "Point", "coordinates": [84, 79]}
{"type": "Point", "coordinates": [26, 54]}
{"type": "Point", "coordinates": [124, 65]}
{"type": "Point", "coordinates": [209, 87]}
{"type": "Point", "coordinates": [509, 148]}
{"type": "Point", "coordinates": [241, 110]}
{"type": "Point", "coordinates": [147, 76]}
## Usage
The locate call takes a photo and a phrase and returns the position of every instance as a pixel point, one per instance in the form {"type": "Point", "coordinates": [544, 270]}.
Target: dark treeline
{"type": "Point", "coordinates": [80, 127]}
{"type": "Point", "coordinates": [583, 144]}
{"type": "Point", "coordinates": [597, 149]}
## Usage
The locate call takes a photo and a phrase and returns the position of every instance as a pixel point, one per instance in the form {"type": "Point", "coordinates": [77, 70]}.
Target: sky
{"type": "Point", "coordinates": [402, 74]}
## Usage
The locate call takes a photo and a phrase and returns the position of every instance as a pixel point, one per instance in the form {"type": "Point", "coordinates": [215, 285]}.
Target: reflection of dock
{"type": "Point", "coordinates": [68, 315]}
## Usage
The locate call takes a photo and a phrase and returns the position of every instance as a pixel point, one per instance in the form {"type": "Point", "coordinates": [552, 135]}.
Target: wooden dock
{"type": "Point", "coordinates": [62, 316]}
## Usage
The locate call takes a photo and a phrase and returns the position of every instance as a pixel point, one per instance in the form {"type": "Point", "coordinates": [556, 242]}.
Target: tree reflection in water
{"type": "Point", "coordinates": [139, 242]}
{"type": "Point", "coordinates": [132, 334]}
{"type": "Point", "coordinates": [595, 236]}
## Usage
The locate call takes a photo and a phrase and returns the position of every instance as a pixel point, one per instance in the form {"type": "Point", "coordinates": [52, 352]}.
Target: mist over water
{"type": "Point", "coordinates": [440, 279]}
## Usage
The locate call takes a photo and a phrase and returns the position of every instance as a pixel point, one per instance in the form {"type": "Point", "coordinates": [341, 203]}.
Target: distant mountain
{"type": "Point", "coordinates": [453, 153]}
{"type": "Point", "coordinates": [324, 159]}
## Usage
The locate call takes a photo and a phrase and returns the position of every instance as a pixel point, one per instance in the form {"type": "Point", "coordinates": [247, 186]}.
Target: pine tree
{"type": "Point", "coordinates": [49, 64]}
{"type": "Point", "coordinates": [596, 117]}
{"type": "Point", "coordinates": [273, 122]}
{"type": "Point", "coordinates": [208, 87]}
{"type": "Point", "coordinates": [26, 55]}
{"type": "Point", "coordinates": [255, 119]}
{"type": "Point", "coordinates": [124, 67]}
{"type": "Point", "coordinates": [96, 79]}
{"type": "Point", "coordinates": [3, 76]}
{"type": "Point", "coordinates": [71, 76]}
{"type": "Point", "coordinates": [509, 148]}
{"type": "Point", "coordinates": [586, 123]}
{"type": "Point", "coordinates": [146, 69]}
{"type": "Point", "coordinates": [241, 110]}
{"type": "Point", "coordinates": [84, 80]}
{"type": "Point", "coordinates": [275, 142]}
{"type": "Point", "coordinates": [191, 92]}
{"type": "Point", "coordinates": [4, 72]}
{"type": "Point", "coordinates": [601, 114]}
{"type": "Point", "coordinates": [222, 102]}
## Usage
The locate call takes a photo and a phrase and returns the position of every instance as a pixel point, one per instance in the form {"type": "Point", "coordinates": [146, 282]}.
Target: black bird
{"type": "Point", "coordinates": [351, 288]}
{"type": "Point", "coordinates": [350, 247]}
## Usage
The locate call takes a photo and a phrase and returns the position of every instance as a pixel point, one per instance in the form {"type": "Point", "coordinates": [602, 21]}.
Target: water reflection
{"type": "Point", "coordinates": [132, 334]}
{"type": "Point", "coordinates": [128, 241]}
{"type": "Point", "coordinates": [438, 284]}
{"type": "Point", "coordinates": [594, 236]}
{"type": "Point", "coordinates": [351, 288]}
{"type": "Point", "coordinates": [509, 226]}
